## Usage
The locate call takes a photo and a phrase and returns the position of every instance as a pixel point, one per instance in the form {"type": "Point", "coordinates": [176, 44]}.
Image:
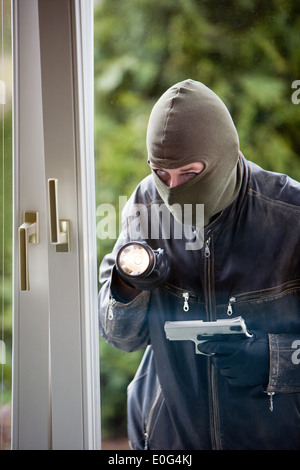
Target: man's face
{"type": "Point", "coordinates": [177, 176]}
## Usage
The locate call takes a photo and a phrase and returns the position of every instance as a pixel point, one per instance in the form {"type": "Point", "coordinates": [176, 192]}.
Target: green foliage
{"type": "Point", "coordinates": [6, 252]}
{"type": "Point", "coordinates": [247, 51]}
{"type": "Point", "coordinates": [6, 211]}
{"type": "Point", "coordinates": [117, 369]}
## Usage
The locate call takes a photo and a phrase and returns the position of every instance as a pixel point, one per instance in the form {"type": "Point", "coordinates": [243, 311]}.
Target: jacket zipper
{"type": "Point", "coordinates": [214, 406]}
{"type": "Point", "coordinates": [150, 418]}
{"type": "Point", "coordinates": [259, 295]}
{"type": "Point", "coordinates": [111, 303]}
{"type": "Point", "coordinates": [271, 395]}
{"type": "Point", "coordinates": [186, 297]}
{"type": "Point", "coordinates": [229, 307]}
{"type": "Point", "coordinates": [207, 248]}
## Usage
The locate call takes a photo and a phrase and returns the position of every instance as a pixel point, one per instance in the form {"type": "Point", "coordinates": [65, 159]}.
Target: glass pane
{"type": "Point", "coordinates": [5, 224]}
{"type": "Point", "coordinates": [247, 53]}
{"type": "Point", "coordinates": [114, 183]}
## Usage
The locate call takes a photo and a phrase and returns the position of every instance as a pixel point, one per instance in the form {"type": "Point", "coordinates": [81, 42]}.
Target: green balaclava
{"type": "Point", "coordinates": [190, 123]}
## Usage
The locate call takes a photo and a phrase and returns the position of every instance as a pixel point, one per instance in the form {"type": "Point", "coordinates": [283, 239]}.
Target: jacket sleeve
{"type": "Point", "coordinates": [284, 364]}
{"type": "Point", "coordinates": [123, 325]}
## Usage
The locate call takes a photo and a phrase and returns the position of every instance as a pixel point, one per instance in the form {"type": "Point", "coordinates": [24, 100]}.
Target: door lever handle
{"type": "Point", "coordinates": [59, 228]}
{"type": "Point", "coordinates": [29, 232]}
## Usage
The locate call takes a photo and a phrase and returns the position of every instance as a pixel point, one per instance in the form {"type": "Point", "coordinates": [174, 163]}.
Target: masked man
{"type": "Point", "coordinates": [238, 393]}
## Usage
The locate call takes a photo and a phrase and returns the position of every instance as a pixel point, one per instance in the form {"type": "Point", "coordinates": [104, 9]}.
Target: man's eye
{"type": "Point", "coordinates": [191, 175]}
{"type": "Point", "coordinates": [161, 173]}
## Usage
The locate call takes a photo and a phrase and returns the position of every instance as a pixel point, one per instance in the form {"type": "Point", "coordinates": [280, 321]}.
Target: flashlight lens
{"type": "Point", "coordinates": [134, 260]}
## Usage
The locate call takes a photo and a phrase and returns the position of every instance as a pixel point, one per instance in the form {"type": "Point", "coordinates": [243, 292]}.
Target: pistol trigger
{"type": "Point", "coordinates": [200, 352]}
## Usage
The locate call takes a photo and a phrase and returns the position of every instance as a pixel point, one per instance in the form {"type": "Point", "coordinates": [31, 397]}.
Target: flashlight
{"type": "Point", "coordinates": [141, 266]}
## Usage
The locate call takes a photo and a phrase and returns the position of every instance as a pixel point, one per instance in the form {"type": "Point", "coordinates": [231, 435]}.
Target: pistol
{"type": "Point", "coordinates": [200, 331]}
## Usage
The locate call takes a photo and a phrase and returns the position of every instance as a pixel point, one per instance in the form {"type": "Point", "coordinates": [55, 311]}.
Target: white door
{"type": "Point", "coordinates": [56, 389]}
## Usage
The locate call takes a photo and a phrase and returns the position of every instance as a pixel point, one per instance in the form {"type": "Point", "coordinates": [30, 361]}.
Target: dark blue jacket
{"type": "Point", "coordinates": [248, 266]}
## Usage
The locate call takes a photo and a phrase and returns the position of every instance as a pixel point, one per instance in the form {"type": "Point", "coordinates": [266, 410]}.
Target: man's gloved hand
{"type": "Point", "coordinates": [243, 361]}
{"type": "Point", "coordinates": [155, 274]}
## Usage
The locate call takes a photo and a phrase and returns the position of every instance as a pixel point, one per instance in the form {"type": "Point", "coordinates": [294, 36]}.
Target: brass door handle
{"type": "Point", "coordinates": [59, 228]}
{"type": "Point", "coordinates": [29, 233]}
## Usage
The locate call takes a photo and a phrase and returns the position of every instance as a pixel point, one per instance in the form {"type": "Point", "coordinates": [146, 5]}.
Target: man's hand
{"type": "Point", "coordinates": [243, 361]}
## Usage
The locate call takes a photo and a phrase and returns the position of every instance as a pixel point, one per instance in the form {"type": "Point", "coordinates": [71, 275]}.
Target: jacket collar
{"type": "Point", "coordinates": [228, 215]}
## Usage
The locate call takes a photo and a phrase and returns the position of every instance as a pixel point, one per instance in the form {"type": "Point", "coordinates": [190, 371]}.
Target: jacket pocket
{"type": "Point", "coordinates": [143, 396]}
{"type": "Point", "coordinates": [149, 423]}
{"type": "Point", "coordinates": [262, 295]}
{"type": "Point", "coordinates": [187, 297]}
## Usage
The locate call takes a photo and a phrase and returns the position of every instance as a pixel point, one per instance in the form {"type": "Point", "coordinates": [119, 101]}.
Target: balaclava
{"type": "Point", "coordinates": [189, 123]}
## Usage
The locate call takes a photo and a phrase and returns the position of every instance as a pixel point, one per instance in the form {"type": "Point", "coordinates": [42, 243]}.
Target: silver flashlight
{"type": "Point", "coordinates": [141, 266]}
{"type": "Point", "coordinates": [136, 259]}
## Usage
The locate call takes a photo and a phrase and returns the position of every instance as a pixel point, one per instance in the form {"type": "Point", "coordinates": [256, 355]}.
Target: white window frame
{"type": "Point", "coordinates": [56, 380]}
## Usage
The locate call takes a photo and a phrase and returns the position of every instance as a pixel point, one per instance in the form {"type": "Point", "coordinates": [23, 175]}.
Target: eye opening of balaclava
{"type": "Point", "coordinates": [190, 123]}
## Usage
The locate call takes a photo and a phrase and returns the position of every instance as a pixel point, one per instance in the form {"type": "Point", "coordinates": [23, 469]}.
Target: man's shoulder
{"type": "Point", "coordinates": [146, 191]}
{"type": "Point", "coordinates": [273, 186]}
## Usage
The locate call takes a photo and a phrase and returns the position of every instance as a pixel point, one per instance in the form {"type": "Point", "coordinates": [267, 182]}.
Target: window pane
{"type": "Point", "coordinates": [5, 223]}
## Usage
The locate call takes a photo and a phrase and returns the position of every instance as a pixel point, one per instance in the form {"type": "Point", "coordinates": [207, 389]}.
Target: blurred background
{"type": "Point", "coordinates": [247, 51]}
{"type": "Point", "coordinates": [5, 222]}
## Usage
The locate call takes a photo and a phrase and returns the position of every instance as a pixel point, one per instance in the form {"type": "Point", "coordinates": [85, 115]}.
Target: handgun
{"type": "Point", "coordinates": [200, 331]}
